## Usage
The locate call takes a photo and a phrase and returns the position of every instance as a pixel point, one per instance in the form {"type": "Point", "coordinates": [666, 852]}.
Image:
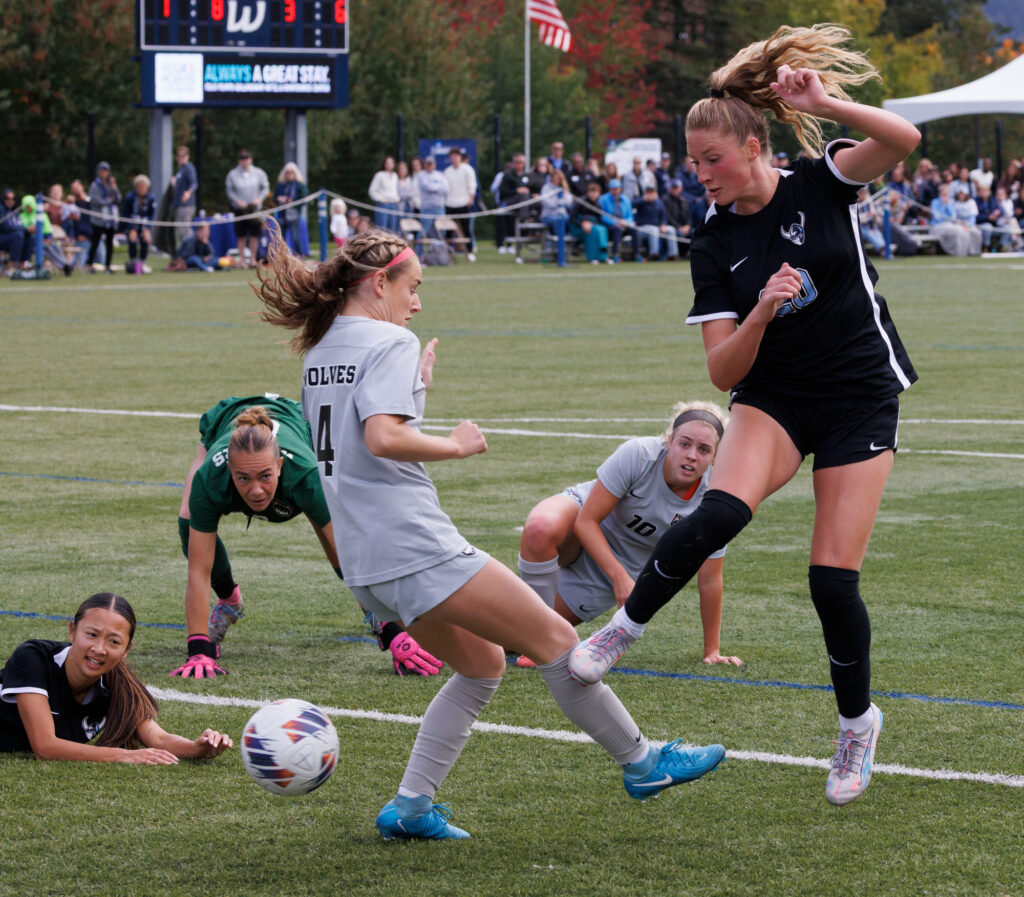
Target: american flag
{"type": "Point", "coordinates": [552, 27]}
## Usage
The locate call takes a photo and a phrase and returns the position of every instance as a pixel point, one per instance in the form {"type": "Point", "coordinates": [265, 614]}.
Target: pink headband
{"type": "Point", "coordinates": [404, 255]}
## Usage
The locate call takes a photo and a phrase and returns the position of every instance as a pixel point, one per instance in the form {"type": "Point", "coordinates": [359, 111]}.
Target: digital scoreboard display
{"type": "Point", "coordinates": [256, 26]}
{"type": "Point", "coordinates": [244, 52]}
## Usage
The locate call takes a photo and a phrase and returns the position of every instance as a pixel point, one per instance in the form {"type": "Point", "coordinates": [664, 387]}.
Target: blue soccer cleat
{"type": "Point", "coordinates": [432, 825]}
{"type": "Point", "coordinates": [676, 764]}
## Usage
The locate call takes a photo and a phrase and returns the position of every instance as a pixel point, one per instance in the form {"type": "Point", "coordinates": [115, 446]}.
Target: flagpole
{"type": "Point", "coordinates": [526, 83]}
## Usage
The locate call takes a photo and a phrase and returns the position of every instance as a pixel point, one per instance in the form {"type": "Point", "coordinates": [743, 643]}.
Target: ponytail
{"type": "Point", "coordinates": [308, 298]}
{"type": "Point", "coordinates": [742, 95]}
{"type": "Point", "coordinates": [130, 703]}
{"type": "Point", "coordinates": [130, 706]}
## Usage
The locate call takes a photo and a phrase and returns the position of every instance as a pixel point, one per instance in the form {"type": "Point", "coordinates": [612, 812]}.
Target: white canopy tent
{"type": "Point", "coordinates": [998, 91]}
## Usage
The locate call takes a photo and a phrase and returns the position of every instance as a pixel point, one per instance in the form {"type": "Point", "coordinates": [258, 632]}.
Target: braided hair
{"type": "Point", "coordinates": [308, 298]}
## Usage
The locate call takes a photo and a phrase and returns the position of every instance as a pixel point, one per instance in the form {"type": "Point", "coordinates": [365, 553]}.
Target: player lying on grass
{"type": "Point", "coordinates": [582, 550]}
{"type": "Point", "coordinates": [56, 697]}
{"type": "Point", "coordinates": [793, 328]}
{"type": "Point", "coordinates": [364, 388]}
{"type": "Point", "coordinates": [255, 456]}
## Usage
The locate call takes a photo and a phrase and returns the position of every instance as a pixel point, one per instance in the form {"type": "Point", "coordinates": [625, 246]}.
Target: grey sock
{"type": "Point", "coordinates": [444, 732]}
{"type": "Point", "coordinates": [413, 807]}
{"type": "Point", "coordinates": [597, 711]}
{"type": "Point", "coordinates": [542, 577]}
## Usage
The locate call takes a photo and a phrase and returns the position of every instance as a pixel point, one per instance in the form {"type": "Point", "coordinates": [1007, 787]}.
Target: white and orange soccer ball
{"type": "Point", "coordinates": [289, 747]}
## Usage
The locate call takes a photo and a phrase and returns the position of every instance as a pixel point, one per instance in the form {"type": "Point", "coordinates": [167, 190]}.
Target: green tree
{"type": "Point", "coordinates": [906, 18]}
{"type": "Point", "coordinates": [60, 61]}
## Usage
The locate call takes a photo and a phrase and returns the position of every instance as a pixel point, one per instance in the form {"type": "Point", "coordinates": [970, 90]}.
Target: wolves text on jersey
{"type": "Point", "coordinates": [329, 374]}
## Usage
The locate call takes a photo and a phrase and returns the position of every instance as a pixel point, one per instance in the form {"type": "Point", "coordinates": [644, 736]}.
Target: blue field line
{"type": "Point", "coordinates": [803, 686]}
{"type": "Point", "coordinates": [357, 638]}
{"type": "Point", "coordinates": [655, 674]}
{"type": "Point", "coordinates": [981, 348]}
{"type": "Point", "coordinates": [29, 615]}
{"type": "Point", "coordinates": [52, 476]}
{"type": "Point", "coordinates": [23, 319]}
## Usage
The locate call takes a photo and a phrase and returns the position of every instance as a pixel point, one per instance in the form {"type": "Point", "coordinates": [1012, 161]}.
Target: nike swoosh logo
{"type": "Point", "coordinates": [877, 448]}
{"type": "Point", "coordinates": [740, 262]}
{"type": "Point", "coordinates": [664, 575]}
{"type": "Point", "coordinates": [639, 735]}
{"type": "Point", "coordinates": [667, 780]}
{"type": "Point", "coordinates": [838, 664]}
{"type": "Point", "coordinates": [631, 492]}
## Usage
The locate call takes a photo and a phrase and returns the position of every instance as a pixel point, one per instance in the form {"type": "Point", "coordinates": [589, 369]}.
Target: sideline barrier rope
{"type": "Point", "coordinates": [915, 207]}
{"type": "Point", "coordinates": [219, 218]}
{"type": "Point", "coordinates": [877, 199]}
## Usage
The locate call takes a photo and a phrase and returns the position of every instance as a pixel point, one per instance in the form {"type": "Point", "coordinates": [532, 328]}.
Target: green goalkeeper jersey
{"type": "Point", "coordinates": [298, 490]}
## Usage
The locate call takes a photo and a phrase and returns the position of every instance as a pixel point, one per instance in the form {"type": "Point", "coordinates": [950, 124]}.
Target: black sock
{"type": "Point", "coordinates": [221, 578]}
{"type": "Point", "coordinates": [224, 584]}
{"type": "Point", "coordinates": [847, 630]}
{"type": "Point", "coordinates": [682, 549]}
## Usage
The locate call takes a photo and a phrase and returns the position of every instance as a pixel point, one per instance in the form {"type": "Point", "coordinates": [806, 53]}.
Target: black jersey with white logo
{"type": "Point", "coordinates": [836, 338]}
{"type": "Point", "coordinates": [37, 667]}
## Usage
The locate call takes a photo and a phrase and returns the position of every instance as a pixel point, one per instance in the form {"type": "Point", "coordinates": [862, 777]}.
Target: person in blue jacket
{"type": "Point", "coordinates": [618, 215]}
{"type": "Point", "coordinates": [139, 208]}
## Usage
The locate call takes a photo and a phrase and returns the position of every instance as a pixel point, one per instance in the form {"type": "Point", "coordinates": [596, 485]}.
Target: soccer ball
{"type": "Point", "coordinates": [289, 747]}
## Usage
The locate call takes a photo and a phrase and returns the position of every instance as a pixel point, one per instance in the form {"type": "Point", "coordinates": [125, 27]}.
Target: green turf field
{"type": "Point", "coordinates": [556, 366]}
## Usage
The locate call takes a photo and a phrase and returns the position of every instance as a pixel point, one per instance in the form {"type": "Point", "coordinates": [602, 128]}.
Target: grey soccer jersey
{"type": "Point", "coordinates": [387, 519]}
{"type": "Point", "coordinates": [634, 473]}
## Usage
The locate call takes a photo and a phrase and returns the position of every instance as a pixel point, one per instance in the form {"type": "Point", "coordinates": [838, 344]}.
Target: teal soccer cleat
{"type": "Point", "coordinates": [432, 825]}
{"type": "Point", "coordinates": [675, 765]}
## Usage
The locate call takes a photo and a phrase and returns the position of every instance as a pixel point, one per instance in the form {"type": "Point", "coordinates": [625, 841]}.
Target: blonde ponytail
{"type": "Point", "coordinates": [742, 93]}
{"type": "Point", "coordinates": [308, 298]}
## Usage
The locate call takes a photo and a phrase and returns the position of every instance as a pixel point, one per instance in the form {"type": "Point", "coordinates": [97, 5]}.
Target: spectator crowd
{"type": "Point", "coordinates": [647, 212]}
{"type": "Point", "coordinates": [650, 211]}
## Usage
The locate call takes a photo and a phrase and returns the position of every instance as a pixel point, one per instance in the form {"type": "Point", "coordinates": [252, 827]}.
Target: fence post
{"type": "Point", "coordinates": [321, 210]}
{"type": "Point", "coordinates": [40, 217]}
{"type": "Point", "coordinates": [887, 230]}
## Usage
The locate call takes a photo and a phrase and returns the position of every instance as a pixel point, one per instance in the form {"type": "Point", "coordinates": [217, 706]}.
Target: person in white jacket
{"type": "Point", "coordinates": [384, 193]}
{"type": "Point", "coordinates": [462, 186]}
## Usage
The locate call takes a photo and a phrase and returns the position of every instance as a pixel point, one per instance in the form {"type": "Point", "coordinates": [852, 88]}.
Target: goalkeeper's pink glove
{"type": "Point", "coordinates": [409, 657]}
{"type": "Point", "coordinates": [202, 660]}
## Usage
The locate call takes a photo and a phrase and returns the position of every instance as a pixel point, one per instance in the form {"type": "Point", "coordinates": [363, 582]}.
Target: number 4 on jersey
{"type": "Point", "coordinates": [324, 449]}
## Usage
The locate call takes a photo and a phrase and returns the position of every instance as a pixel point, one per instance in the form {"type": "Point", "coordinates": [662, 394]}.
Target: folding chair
{"type": "Point", "coordinates": [414, 234]}
{"type": "Point", "coordinates": [449, 231]}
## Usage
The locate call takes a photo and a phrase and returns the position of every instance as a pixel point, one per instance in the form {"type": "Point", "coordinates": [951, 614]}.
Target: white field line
{"type": "Point", "coordinates": [515, 272]}
{"type": "Point", "coordinates": [49, 408]}
{"type": "Point", "coordinates": [985, 778]}
{"type": "Point", "coordinates": [440, 424]}
{"type": "Point", "coordinates": [513, 431]}
{"type": "Point", "coordinates": [511, 420]}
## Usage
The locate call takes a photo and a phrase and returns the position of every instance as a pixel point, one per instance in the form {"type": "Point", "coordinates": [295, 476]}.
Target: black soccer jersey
{"type": "Point", "coordinates": [836, 338]}
{"type": "Point", "coordinates": [37, 667]}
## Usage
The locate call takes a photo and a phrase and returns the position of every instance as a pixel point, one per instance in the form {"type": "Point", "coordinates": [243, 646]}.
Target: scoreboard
{"type": "Point", "coordinates": [256, 26]}
{"type": "Point", "coordinates": [244, 52]}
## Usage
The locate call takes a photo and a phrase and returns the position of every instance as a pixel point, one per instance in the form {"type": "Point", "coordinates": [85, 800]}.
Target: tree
{"type": "Point", "coordinates": [58, 63]}
{"type": "Point", "coordinates": [906, 18]}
